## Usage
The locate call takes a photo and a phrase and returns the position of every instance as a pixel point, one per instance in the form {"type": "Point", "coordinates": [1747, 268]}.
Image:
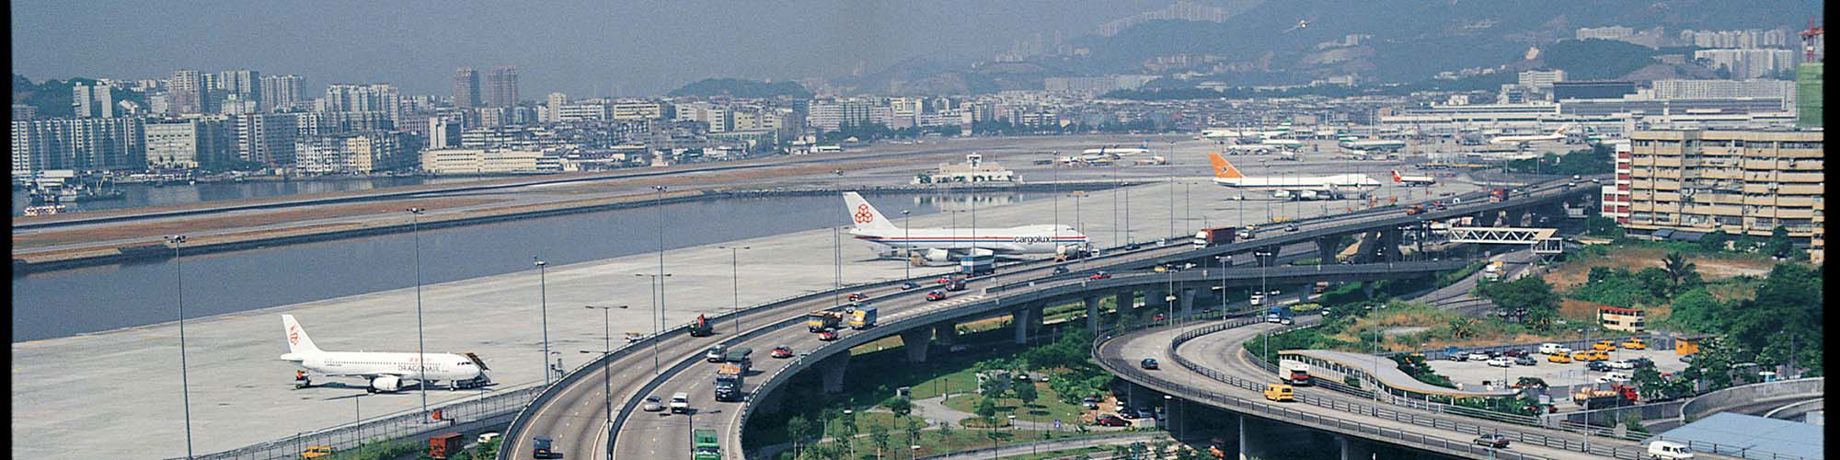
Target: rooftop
{"type": "Point", "coordinates": [1748, 436]}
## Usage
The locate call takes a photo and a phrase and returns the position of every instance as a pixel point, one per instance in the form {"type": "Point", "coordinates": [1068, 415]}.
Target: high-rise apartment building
{"type": "Point", "coordinates": [466, 88]}
{"type": "Point", "coordinates": [186, 91]}
{"type": "Point", "coordinates": [556, 100]}
{"type": "Point", "coordinates": [1748, 63]}
{"type": "Point", "coordinates": [443, 133]}
{"type": "Point", "coordinates": [356, 152]}
{"type": "Point", "coordinates": [502, 87]}
{"type": "Point", "coordinates": [280, 92]}
{"type": "Point", "coordinates": [1738, 181]}
{"type": "Point", "coordinates": [240, 89]}
{"type": "Point", "coordinates": [78, 143]}
{"type": "Point", "coordinates": [208, 142]}
{"type": "Point", "coordinates": [95, 100]}
{"type": "Point", "coordinates": [266, 138]}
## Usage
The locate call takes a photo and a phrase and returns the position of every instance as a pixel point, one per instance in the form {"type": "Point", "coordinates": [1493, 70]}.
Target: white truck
{"type": "Point", "coordinates": [680, 403]}
{"type": "Point", "coordinates": [1494, 270]}
{"type": "Point", "coordinates": [1294, 373]}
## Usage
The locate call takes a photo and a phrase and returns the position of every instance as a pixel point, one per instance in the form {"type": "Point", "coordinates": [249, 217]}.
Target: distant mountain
{"type": "Point", "coordinates": [739, 88]}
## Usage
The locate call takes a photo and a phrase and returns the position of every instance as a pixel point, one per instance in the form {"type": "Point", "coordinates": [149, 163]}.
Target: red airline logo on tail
{"type": "Point", "coordinates": [1396, 178]}
{"type": "Point", "coordinates": [293, 335]}
{"type": "Point", "coordinates": [863, 215]}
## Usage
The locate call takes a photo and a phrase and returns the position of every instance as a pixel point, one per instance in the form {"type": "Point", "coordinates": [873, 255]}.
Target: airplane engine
{"type": "Point", "coordinates": [936, 255]}
{"type": "Point", "coordinates": [386, 384]}
{"type": "Point", "coordinates": [1308, 195]}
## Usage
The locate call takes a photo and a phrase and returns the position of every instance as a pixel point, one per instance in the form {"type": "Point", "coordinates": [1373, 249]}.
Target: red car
{"type": "Point", "coordinates": [1112, 420]}
{"type": "Point", "coordinates": [782, 352]}
{"type": "Point", "coordinates": [945, 280]}
{"type": "Point", "coordinates": [855, 296]}
{"type": "Point", "coordinates": [956, 286]}
{"type": "Point", "coordinates": [1099, 276]}
{"type": "Point", "coordinates": [935, 295]}
{"type": "Point", "coordinates": [827, 336]}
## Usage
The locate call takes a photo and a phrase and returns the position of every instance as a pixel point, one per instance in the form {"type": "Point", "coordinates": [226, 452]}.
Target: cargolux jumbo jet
{"type": "Point", "coordinates": [387, 372]}
{"type": "Point", "coordinates": [1291, 187]}
{"type": "Point", "coordinates": [944, 244]}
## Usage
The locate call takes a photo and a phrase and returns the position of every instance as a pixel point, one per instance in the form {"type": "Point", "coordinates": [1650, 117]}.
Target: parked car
{"type": "Point", "coordinates": [1112, 420]}
{"type": "Point", "coordinates": [1634, 343]}
{"type": "Point", "coordinates": [1091, 402]}
{"type": "Point", "coordinates": [1147, 363]}
{"type": "Point", "coordinates": [652, 404]}
{"type": "Point", "coordinates": [1499, 362]}
{"type": "Point", "coordinates": [1621, 364]}
{"type": "Point", "coordinates": [488, 436]}
{"type": "Point", "coordinates": [1492, 440]}
{"type": "Point", "coordinates": [1514, 353]}
{"type": "Point", "coordinates": [1525, 360]}
{"type": "Point", "coordinates": [827, 336]}
{"type": "Point", "coordinates": [1478, 356]}
{"type": "Point", "coordinates": [1560, 358]}
{"type": "Point", "coordinates": [1642, 362]}
{"type": "Point", "coordinates": [1598, 366]}
{"type": "Point", "coordinates": [782, 352]}
{"type": "Point", "coordinates": [1614, 377]}
{"type": "Point", "coordinates": [1603, 345]}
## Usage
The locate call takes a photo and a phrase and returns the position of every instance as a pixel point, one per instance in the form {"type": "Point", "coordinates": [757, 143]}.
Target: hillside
{"type": "Point", "coordinates": [735, 87]}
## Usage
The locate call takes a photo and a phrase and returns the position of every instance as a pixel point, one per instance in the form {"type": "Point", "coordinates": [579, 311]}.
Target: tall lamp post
{"type": "Point", "coordinates": [659, 310]}
{"type": "Point", "coordinates": [734, 273]}
{"type": "Point", "coordinates": [185, 386]}
{"type": "Point", "coordinates": [421, 344]}
{"type": "Point", "coordinates": [607, 346]}
{"type": "Point", "coordinates": [543, 305]}
{"type": "Point", "coordinates": [658, 323]}
{"type": "Point", "coordinates": [907, 266]}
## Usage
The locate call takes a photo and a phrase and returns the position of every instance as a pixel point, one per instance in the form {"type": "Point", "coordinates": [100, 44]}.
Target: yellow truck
{"type": "Point", "coordinates": [822, 320]}
{"type": "Point", "coordinates": [1279, 392]}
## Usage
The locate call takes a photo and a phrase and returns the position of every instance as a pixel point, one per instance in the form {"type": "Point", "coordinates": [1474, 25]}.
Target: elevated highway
{"type": "Point", "coordinates": [574, 410]}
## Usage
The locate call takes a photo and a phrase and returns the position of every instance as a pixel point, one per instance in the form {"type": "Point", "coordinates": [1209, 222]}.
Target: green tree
{"type": "Point", "coordinates": [1657, 282]}
{"type": "Point", "coordinates": [1780, 245]}
{"type": "Point", "coordinates": [1714, 241]}
{"type": "Point", "coordinates": [1026, 392]}
{"type": "Point", "coordinates": [987, 408]}
{"type": "Point", "coordinates": [878, 436]}
{"type": "Point", "coordinates": [900, 406]}
{"type": "Point", "coordinates": [1698, 310]}
{"type": "Point", "coordinates": [1462, 328]}
{"type": "Point", "coordinates": [797, 428]}
{"type": "Point", "coordinates": [1681, 272]}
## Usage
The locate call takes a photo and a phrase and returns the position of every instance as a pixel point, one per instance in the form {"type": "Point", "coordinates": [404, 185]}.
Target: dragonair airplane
{"type": "Point", "coordinates": [944, 244]}
{"type": "Point", "coordinates": [1413, 181]}
{"type": "Point", "coordinates": [387, 372]}
{"type": "Point", "coordinates": [1299, 187]}
{"type": "Point", "coordinates": [1522, 141]}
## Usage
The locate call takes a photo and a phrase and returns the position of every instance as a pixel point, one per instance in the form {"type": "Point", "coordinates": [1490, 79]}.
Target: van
{"type": "Point", "coordinates": [1550, 348]}
{"type": "Point", "coordinates": [1668, 450]}
{"type": "Point", "coordinates": [715, 352]}
{"type": "Point", "coordinates": [1278, 392]}
{"type": "Point", "coordinates": [680, 402]}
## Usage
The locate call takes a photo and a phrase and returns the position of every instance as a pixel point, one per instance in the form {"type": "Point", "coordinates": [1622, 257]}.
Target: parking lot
{"type": "Point", "coordinates": [1471, 374]}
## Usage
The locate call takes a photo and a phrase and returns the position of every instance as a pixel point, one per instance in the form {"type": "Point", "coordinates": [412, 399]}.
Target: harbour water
{"type": "Point", "coordinates": [69, 302]}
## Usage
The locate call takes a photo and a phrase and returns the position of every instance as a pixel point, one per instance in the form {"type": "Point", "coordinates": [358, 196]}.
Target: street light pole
{"type": "Point", "coordinates": [543, 304]}
{"type": "Point", "coordinates": [657, 326]}
{"type": "Point", "coordinates": [607, 347]}
{"type": "Point", "coordinates": [734, 270]}
{"type": "Point", "coordinates": [421, 344]}
{"type": "Point", "coordinates": [659, 311]}
{"type": "Point", "coordinates": [907, 266]}
{"type": "Point", "coordinates": [185, 386]}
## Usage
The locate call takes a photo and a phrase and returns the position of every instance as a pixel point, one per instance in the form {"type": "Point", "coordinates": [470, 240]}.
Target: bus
{"type": "Point", "coordinates": [705, 445]}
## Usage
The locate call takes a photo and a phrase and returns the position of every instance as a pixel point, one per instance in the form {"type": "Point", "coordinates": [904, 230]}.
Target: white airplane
{"type": "Point", "coordinates": [1282, 143]}
{"type": "Point", "coordinates": [1114, 151]}
{"type": "Point", "coordinates": [1226, 134]}
{"type": "Point", "coordinates": [387, 372]}
{"type": "Point", "coordinates": [1376, 145]}
{"type": "Point", "coordinates": [943, 244]}
{"type": "Point", "coordinates": [1302, 187]}
{"type": "Point", "coordinates": [1413, 181]}
{"type": "Point", "coordinates": [1522, 141]}
{"type": "Point", "coordinates": [1251, 149]}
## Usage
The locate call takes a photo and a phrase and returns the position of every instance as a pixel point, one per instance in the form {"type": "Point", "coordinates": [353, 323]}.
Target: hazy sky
{"type": "Point", "coordinates": [578, 47]}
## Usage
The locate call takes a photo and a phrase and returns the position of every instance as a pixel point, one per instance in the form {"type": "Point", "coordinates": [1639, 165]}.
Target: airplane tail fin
{"type": "Point", "coordinates": [1396, 178]}
{"type": "Point", "coordinates": [298, 342]}
{"type": "Point", "coordinates": [1223, 169]}
{"type": "Point", "coordinates": [864, 216]}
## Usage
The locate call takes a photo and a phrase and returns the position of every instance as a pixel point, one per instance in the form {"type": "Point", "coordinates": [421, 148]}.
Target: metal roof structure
{"type": "Point", "coordinates": [1748, 436]}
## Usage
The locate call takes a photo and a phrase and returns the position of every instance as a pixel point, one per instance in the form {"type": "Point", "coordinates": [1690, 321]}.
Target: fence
{"type": "Point", "coordinates": [460, 416]}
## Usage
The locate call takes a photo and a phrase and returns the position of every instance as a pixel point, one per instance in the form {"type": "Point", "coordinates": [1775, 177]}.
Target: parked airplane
{"type": "Point", "coordinates": [1413, 181]}
{"type": "Point", "coordinates": [1115, 151]}
{"type": "Point", "coordinates": [1300, 187]}
{"type": "Point", "coordinates": [1227, 134]}
{"type": "Point", "coordinates": [943, 244]}
{"type": "Point", "coordinates": [1522, 141]}
{"type": "Point", "coordinates": [387, 372]}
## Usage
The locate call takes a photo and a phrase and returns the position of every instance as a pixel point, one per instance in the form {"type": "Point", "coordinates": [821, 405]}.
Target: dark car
{"type": "Point", "coordinates": [1112, 420]}
{"type": "Point", "coordinates": [1514, 353]}
{"type": "Point", "coordinates": [1148, 363]}
{"type": "Point", "coordinates": [1492, 440]}
{"type": "Point", "coordinates": [956, 286]}
{"type": "Point", "coordinates": [782, 352]}
{"type": "Point", "coordinates": [1525, 360]}
{"type": "Point", "coordinates": [935, 295]}
{"type": "Point", "coordinates": [1060, 270]}
{"type": "Point", "coordinates": [1597, 366]}
{"type": "Point", "coordinates": [910, 285]}
{"type": "Point", "coordinates": [542, 448]}
{"type": "Point", "coordinates": [1642, 362]}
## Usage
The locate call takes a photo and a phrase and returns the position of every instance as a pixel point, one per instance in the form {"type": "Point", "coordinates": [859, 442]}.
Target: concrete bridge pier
{"type": "Point", "coordinates": [1389, 244]}
{"type": "Point", "coordinates": [916, 341]}
{"type": "Point", "coordinates": [768, 404]}
{"type": "Point", "coordinates": [946, 333]}
{"type": "Point", "coordinates": [1123, 303]}
{"type": "Point", "coordinates": [831, 370]}
{"type": "Point", "coordinates": [1026, 319]}
{"type": "Point", "coordinates": [1325, 249]}
{"type": "Point", "coordinates": [1188, 302]}
{"type": "Point", "coordinates": [1245, 446]}
{"type": "Point", "coordinates": [1092, 313]}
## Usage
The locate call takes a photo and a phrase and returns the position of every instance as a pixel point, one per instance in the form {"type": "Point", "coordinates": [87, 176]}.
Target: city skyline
{"type": "Point", "coordinates": [585, 49]}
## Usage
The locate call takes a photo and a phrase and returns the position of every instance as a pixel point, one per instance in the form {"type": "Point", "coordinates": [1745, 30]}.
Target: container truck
{"type": "Point", "coordinates": [1617, 395]}
{"type": "Point", "coordinates": [862, 317]}
{"type": "Point", "coordinates": [1213, 236]}
{"type": "Point", "coordinates": [700, 327]}
{"type": "Point", "coordinates": [1294, 372]}
{"type": "Point", "coordinates": [822, 320]}
{"type": "Point", "coordinates": [740, 356]}
{"type": "Point", "coordinates": [728, 382]}
{"type": "Point", "coordinates": [1493, 270]}
{"type": "Point", "coordinates": [445, 445]}
{"type": "Point", "coordinates": [974, 265]}
{"type": "Point", "coordinates": [1498, 195]}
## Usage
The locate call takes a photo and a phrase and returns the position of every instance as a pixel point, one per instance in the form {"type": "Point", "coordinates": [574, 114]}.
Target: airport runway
{"type": "Point", "coordinates": [126, 382]}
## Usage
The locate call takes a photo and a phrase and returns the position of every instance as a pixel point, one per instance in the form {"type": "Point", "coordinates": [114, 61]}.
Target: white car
{"type": "Point", "coordinates": [487, 436]}
{"type": "Point", "coordinates": [1614, 377]}
{"type": "Point", "coordinates": [1622, 364]}
{"type": "Point", "coordinates": [1500, 362]}
{"type": "Point", "coordinates": [1478, 356]}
